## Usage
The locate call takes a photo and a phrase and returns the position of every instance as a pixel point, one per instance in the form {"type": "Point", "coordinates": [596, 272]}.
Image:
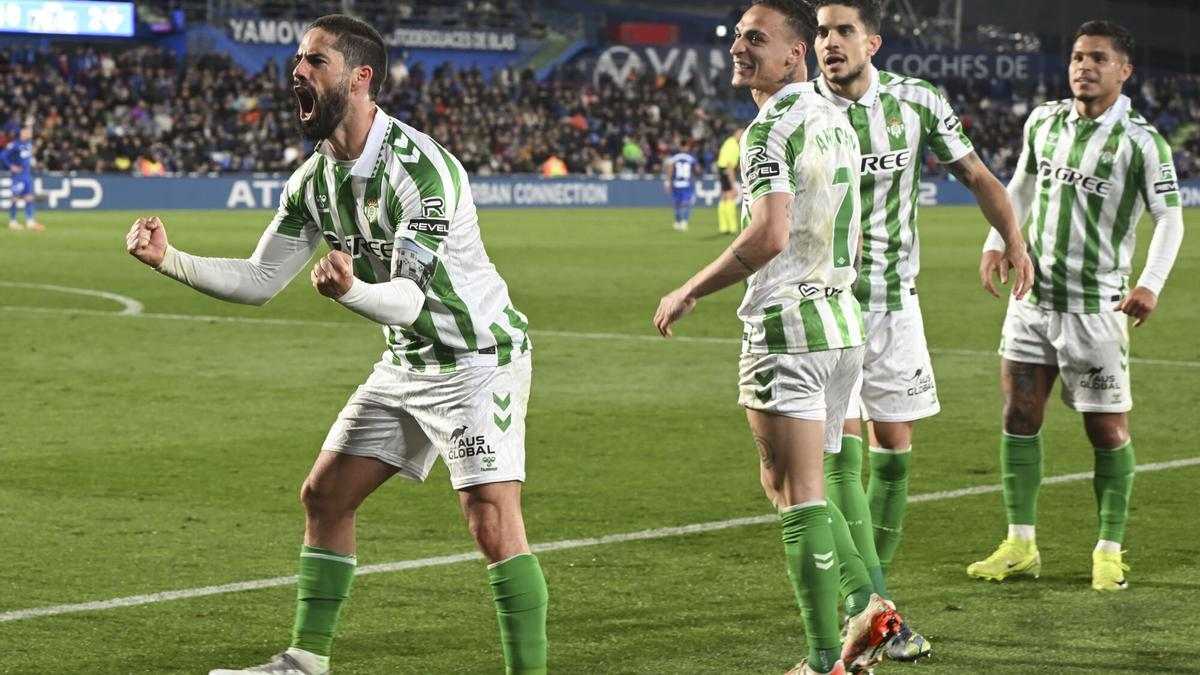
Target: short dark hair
{"type": "Point", "coordinates": [800, 15]}
{"type": "Point", "coordinates": [869, 11]}
{"type": "Point", "coordinates": [359, 43]}
{"type": "Point", "coordinates": [1121, 38]}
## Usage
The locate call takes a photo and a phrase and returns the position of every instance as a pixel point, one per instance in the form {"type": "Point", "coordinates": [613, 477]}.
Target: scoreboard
{"type": "Point", "coordinates": [67, 17]}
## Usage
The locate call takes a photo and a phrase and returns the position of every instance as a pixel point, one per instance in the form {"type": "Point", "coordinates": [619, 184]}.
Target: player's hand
{"type": "Point", "coordinates": [1017, 258]}
{"type": "Point", "coordinates": [333, 275]}
{"type": "Point", "coordinates": [147, 240]}
{"type": "Point", "coordinates": [671, 309]}
{"type": "Point", "coordinates": [993, 264]}
{"type": "Point", "coordinates": [1139, 304]}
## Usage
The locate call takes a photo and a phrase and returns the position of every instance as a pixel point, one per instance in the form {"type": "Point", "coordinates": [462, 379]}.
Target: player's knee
{"type": "Point", "coordinates": [319, 498]}
{"type": "Point", "coordinates": [895, 436]}
{"type": "Point", "coordinates": [487, 525]}
{"type": "Point", "coordinates": [852, 427]}
{"type": "Point", "coordinates": [1022, 419]}
{"type": "Point", "coordinates": [1106, 432]}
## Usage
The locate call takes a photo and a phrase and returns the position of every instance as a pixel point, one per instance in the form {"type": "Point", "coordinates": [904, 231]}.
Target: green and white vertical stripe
{"type": "Point", "coordinates": [1094, 180]}
{"type": "Point", "coordinates": [404, 182]}
{"type": "Point", "coordinates": [895, 121]}
{"type": "Point", "coordinates": [806, 326]}
{"type": "Point", "coordinates": [802, 146]}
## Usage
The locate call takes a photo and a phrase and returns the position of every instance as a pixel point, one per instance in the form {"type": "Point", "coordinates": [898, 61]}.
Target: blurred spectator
{"type": "Point", "coordinates": [553, 167]}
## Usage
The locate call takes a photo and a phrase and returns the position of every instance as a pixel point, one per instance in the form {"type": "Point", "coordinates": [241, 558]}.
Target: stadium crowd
{"type": "Point", "coordinates": [144, 112]}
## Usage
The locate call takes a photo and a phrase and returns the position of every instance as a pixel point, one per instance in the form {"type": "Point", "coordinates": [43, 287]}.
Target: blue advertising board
{"type": "Point", "coordinates": [107, 192]}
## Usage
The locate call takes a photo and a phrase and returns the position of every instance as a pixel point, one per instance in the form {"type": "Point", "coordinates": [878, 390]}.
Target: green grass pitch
{"type": "Point", "coordinates": [142, 454]}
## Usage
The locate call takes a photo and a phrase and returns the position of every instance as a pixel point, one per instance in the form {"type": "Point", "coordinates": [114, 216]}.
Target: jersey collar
{"type": "Point", "coordinates": [786, 90]}
{"type": "Point", "coordinates": [366, 164]}
{"type": "Point", "coordinates": [868, 99]}
{"type": "Point", "coordinates": [1110, 117]}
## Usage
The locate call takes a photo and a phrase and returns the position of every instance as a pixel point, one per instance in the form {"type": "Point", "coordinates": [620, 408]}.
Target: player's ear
{"type": "Point", "coordinates": [874, 44]}
{"type": "Point", "coordinates": [362, 77]}
{"type": "Point", "coordinates": [799, 51]}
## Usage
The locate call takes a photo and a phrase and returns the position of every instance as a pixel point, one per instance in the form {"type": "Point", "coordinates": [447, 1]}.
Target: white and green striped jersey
{"type": "Point", "coordinates": [801, 301]}
{"type": "Point", "coordinates": [896, 120]}
{"type": "Point", "coordinates": [404, 208]}
{"type": "Point", "coordinates": [1093, 180]}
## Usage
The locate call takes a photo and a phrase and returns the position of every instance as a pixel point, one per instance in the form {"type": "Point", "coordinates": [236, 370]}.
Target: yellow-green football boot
{"type": "Point", "coordinates": [1014, 557]}
{"type": "Point", "coordinates": [1108, 572]}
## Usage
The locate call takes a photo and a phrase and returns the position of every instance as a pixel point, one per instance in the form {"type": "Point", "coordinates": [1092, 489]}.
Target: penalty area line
{"type": "Point", "coordinates": [561, 545]}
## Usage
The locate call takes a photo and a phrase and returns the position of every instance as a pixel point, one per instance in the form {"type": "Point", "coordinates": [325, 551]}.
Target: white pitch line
{"type": "Point", "coordinates": [130, 306]}
{"type": "Point", "coordinates": [561, 545]}
{"type": "Point", "coordinates": [210, 318]}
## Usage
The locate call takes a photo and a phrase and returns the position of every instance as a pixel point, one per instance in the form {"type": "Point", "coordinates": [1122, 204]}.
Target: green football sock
{"type": "Point", "coordinates": [843, 485]}
{"type": "Point", "coordinates": [1113, 483]}
{"type": "Point", "coordinates": [519, 591]}
{"type": "Point", "coordinates": [855, 581]}
{"type": "Point", "coordinates": [811, 559]}
{"type": "Point", "coordinates": [1021, 473]}
{"type": "Point", "coordinates": [887, 492]}
{"type": "Point", "coordinates": [324, 584]}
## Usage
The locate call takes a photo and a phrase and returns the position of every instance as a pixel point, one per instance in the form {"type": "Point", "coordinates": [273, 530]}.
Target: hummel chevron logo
{"type": "Point", "coordinates": [402, 143]}
{"type": "Point", "coordinates": [502, 423]}
{"type": "Point", "coordinates": [763, 395]}
{"type": "Point", "coordinates": [824, 560]}
{"type": "Point", "coordinates": [765, 377]}
{"type": "Point", "coordinates": [502, 402]}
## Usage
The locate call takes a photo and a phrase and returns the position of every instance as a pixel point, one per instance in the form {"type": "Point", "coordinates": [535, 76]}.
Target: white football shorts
{"type": "Point", "coordinates": [473, 417]}
{"type": "Point", "coordinates": [896, 383]}
{"type": "Point", "coordinates": [810, 386]}
{"type": "Point", "coordinates": [1090, 350]}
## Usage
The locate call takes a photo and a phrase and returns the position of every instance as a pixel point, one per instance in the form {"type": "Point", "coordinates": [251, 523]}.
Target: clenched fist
{"type": "Point", "coordinates": [147, 240]}
{"type": "Point", "coordinates": [333, 274]}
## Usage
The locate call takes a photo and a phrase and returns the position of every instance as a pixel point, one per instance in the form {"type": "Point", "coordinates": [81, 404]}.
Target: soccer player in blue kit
{"type": "Point", "coordinates": [680, 172]}
{"type": "Point", "coordinates": [18, 157]}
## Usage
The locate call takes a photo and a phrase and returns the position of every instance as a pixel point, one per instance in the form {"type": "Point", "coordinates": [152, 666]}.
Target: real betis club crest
{"type": "Point", "coordinates": [371, 210]}
{"type": "Point", "coordinates": [895, 127]}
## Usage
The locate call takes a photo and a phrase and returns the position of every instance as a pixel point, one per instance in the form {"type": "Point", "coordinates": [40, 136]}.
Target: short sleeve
{"type": "Point", "coordinates": [1161, 190]}
{"type": "Point", "coordinates": [772, 145]}
{"type": "Point", "coordinates": [426, 189]}
{"type": "Point", "coordinates": [947, 138]}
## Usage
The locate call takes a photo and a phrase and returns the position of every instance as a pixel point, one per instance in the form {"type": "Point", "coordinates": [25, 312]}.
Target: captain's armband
{"type": "Point", "coordinates": [415, 262]}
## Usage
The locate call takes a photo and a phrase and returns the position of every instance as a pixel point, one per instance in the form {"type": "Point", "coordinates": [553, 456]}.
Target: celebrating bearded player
{"type": "Point", "coordinates": [1089, 166]}
{"type": "Point", "coordinates": [802, 346]}
{"type": "Point", "coordinates": [894, 118]}
{"type": "Point", "coordinates": [396, 209]}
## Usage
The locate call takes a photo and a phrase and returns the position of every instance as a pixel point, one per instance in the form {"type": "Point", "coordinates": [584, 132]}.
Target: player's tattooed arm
{"type": "Point", "coordinates": [756, 246]}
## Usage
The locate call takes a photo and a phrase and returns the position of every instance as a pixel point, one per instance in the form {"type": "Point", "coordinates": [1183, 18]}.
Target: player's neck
{"type": "Point", "coordinates": [761, 96]}
{"type": "Point", "coordinates": [852, 90]}
{"type": "Point", "coordinates": [1096, 107]}
{"type": "Point", "coordinates": [348, 140]}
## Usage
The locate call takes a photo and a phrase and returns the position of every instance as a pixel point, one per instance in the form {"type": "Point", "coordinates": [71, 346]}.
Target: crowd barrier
{"type": "Point", "coordinates": [97, 192]}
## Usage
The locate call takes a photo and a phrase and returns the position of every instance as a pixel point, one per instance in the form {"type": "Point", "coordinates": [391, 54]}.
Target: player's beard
{"type": "Point", "coordinates": [328, 111]}
{"type": "Point", "coordinates": [850, 76]}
